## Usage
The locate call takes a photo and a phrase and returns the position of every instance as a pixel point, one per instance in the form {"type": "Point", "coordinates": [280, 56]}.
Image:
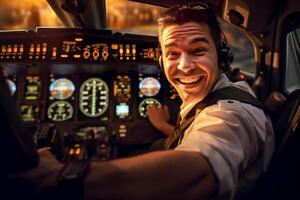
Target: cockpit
{"type": "Point", "coordinates": [83, 73]}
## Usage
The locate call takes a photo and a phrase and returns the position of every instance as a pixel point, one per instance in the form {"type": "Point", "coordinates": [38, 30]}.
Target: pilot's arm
{"type": "Point", "coordinates": [159, 175]}
{"type": "Point", "coordinates": [159, 117]}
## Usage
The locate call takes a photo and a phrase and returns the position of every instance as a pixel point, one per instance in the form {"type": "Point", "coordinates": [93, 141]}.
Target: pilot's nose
{"type": "Point", "coordinates": [186, 63]}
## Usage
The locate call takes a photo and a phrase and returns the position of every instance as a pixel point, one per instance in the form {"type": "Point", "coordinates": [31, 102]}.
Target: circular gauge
{"type": "Point", "coordinates": [93, 99]}
{"type": "Point", "coordinates": [60, 111]}
{"type": "Point", "coordinates": [12, 86]}
{"type": "Point", "coordinates": [149, 86]}
{"type": "Point", "coordinates": [62, 88]}
{"type": "Point", "coordinates": [143, 107]}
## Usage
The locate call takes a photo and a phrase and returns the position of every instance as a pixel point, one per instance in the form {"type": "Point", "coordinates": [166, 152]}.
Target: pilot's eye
{"type": "Point", "coordinates": [199, 51]}
{"type": "Point", "coordinates": [172, 55]}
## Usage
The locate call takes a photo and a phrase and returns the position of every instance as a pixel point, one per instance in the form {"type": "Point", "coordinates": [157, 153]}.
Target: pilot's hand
{"type": "Point", "coordinates": [159, 117]}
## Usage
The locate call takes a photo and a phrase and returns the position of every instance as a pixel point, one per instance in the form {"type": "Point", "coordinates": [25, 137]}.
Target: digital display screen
{"type": "Point", "coordinates": [29, 113]}
{"type": "Point", "coordinates": [60, 111]}
{"type": "Point", "coordinates": [93, 97]}
{"type": "Point", "coordinates": [122, 110]}
{"type": "Point", "coordinates": [61, 89]}
{"type": "Point", "coordinates": [122, 88]}
{"type": "Point", "coordinates": [149, 86]}
{"type": "Point", "coordinates": [32, 88]}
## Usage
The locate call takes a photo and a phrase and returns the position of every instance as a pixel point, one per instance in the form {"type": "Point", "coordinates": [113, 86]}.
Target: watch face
{"type": "Point", "coordinates": [94, 95]}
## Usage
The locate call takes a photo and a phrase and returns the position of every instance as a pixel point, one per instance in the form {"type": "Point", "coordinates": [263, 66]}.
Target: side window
{"type": "Point", "coordinates": [292, 71]}
{"type": "Point", "coordinates": [242, 48]}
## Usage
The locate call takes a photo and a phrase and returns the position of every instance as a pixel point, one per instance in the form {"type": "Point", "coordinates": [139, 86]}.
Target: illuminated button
{"type": "Point", "coordinates": [54, 52]}
{"type": "Point", "coordinates": [15, 48]}
{"type": "Point", "coordinates": [122, 126]}
{"type": "Point", "coordinates": [127, 49]}
{"type": "Point", "coordinates": [77, 152]}
{"type": "Point", "coordinates": [77, 56]}
{"type": "Point", "coordinates": [151, 53]}
{"type": "Point", "coordinates": [9, 49]}
{"type": "Point", "coordinates": [78, 39]}
{"type": "Point", "coordinates": [31, 48]}
{"type": "Point", "coordinates": [21, 48]}
{"type": "Point", "coordinates": [3, 49]}
{"type": "Point", "coordinates": [71, 151]}
{"type": "Point", "coordinates": [96, 54]}
{"type": "Point", "coordinates": [104, 55]}
{"type": "Point", "coordinates": [86, 54]}
{"type": "Point", "coordinates": [114, 46]}
{"type": "Point", "coordinates": [38, 48]}
{"type": "Point", "coordinates": [44, 49]}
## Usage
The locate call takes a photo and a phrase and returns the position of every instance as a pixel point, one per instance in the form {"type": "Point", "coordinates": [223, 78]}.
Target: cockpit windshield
{"type": "Point", "coordinates": [121, 16]}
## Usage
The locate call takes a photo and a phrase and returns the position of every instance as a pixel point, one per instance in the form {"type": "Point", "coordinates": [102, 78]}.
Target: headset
{"type": "Point", "coordinates": [225, 56]}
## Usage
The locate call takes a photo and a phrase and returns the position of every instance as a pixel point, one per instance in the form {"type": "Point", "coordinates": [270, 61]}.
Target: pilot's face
{"type": "Point", "coordinates": [190, 60]}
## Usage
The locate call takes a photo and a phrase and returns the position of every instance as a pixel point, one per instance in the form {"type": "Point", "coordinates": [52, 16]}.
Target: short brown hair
{"type": "Point", "coordinates": [191, 13]}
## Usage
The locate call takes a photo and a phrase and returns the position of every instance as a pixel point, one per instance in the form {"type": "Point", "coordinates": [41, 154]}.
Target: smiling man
{"type": "Point", "coordinates": [235, 136]}
{"type": "Point", "coordinates": [190, 60]}
{"type": "Point", "coordinates": [219, 154]}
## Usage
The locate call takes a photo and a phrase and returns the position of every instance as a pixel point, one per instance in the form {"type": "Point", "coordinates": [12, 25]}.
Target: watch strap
{"type": "Point", "coordinates": [71, 177]}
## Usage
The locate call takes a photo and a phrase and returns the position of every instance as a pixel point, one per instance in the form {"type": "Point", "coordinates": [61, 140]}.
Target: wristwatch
{"type": "Point", "coordinates": [70, 179]}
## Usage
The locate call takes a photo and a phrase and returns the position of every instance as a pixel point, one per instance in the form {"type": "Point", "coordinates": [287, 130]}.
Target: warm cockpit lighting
{"type": "Point", "coordinates": [26, 14]}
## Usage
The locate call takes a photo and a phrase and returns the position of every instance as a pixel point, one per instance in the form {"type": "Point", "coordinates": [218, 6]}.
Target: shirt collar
{"type": "Point", "coordinates": [222, 82]}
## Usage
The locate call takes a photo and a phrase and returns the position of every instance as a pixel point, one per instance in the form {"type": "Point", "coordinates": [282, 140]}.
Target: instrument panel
{"type": "Point", "coordinates": [93, 86]}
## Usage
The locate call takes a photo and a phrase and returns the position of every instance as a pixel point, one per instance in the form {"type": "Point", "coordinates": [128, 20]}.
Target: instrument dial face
{"type": "Point", "coordinates": [143, 107]}
{"type": "Point", "coordinates": [149, 86]}
{"type": "Point", "coordinates": [60, 111]}
{"type": "Point", "coordinates": [93, 100]}
{"type": "Point", "coordinates": [62, 89]}
{"type": "Point", "coordinates": [12, 86]}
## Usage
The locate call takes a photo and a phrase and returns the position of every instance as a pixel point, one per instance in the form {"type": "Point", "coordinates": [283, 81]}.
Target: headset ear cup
{"type": "Point", "coordinates": [225, 57]}
{"type": "Point", "coordinates": [161, 64]}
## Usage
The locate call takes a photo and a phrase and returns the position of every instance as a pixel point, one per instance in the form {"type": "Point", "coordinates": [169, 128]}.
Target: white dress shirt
{"type": "Point", "coordinates": [236, 138]}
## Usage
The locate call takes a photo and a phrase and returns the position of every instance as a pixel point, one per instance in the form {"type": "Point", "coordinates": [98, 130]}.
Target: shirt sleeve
{"type": "Point", "coordinates": [225, 134]}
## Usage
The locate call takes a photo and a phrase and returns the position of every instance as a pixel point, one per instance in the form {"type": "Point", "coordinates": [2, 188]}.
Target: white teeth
{"type": "Point", "coordinates": [189, 80]}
